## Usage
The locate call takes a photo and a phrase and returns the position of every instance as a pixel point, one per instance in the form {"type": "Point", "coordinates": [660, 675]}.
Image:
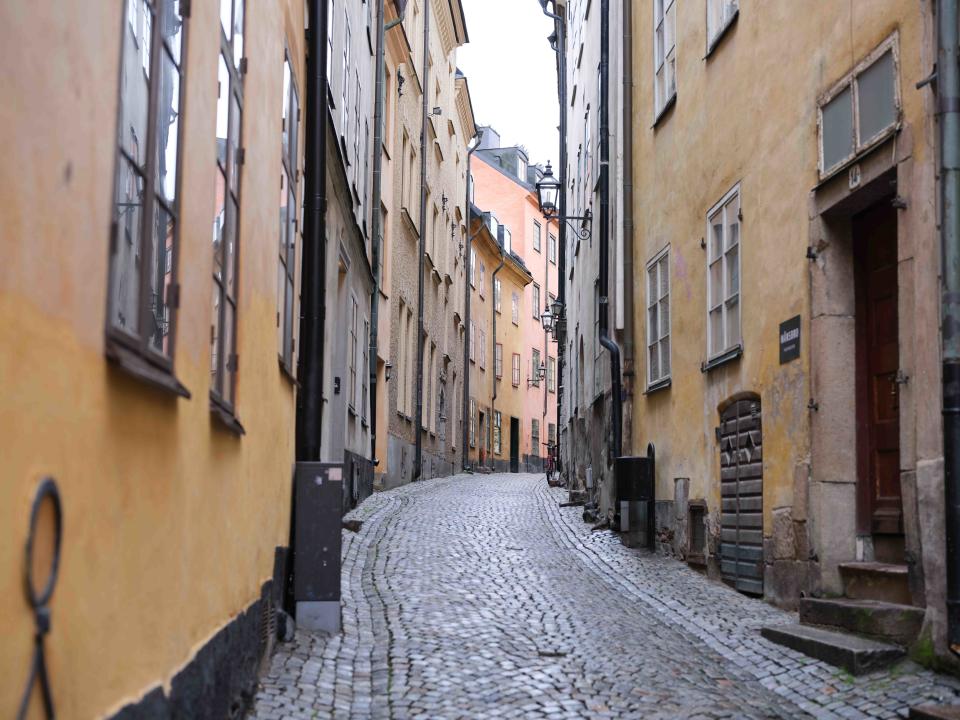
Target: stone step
{"type": "Point", "coordinates": [897, 623]}
{"type": "Point", "coordinates": [935, 712]}
{"type": "Point", "coordinates": [855, 654]}
{"type": "Point", "coordinates": [876, 581]}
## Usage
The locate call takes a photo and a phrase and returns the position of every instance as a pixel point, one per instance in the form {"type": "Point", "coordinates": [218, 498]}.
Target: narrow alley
{"type": "Point", "coordinates": [479, 597]}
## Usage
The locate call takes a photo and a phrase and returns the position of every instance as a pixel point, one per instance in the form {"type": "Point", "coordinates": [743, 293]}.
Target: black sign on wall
{"type": "Point", "coordinates": [790, 340]}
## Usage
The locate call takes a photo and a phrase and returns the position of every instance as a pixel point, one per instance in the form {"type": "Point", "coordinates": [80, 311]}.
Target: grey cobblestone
{"type": "Point", "coordinates": [479, 597]}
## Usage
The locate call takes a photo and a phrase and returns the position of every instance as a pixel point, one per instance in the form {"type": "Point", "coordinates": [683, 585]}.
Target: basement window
{"type": "Point", "coordinates": [861, 110]}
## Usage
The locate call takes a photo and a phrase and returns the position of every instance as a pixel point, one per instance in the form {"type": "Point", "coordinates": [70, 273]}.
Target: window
{"type": "Point", "coordinates": [483, 272]}
{"type": "Point", "coordinates": [356, 125]}
{"type": "Point", "coordinates": [289, 219]}
{"type": "Point", "coordinates": [223, 333]}
{"type": "Point", "coordinates": [496, 294]}
{"type": "Point", "coordinates": [720, 13]}
{"type": "Point", "coordinates": [400, 360]}
{"type": "Point", "coordinates": [515, 309]}
{"type": "Point", "coordinates": [345, 80]}
{"type": "Point", "coordinates": [483, 350]}
{"type": "Point", "coordinates": [498, 360]}
{"type": "Point", "coordinates": [723, 275]}
{"type": "Point", "coordinates": [352, 356]}
{"type": "Point", "coordinates": [664, 54]}
{"type": "Point", "coordinates": [515, 369]}
{"type": "Point", "coordinates": [507, 240]}
{"type": "Point", "coordinates": [473, 422]}
{"type": "Point", "coordinates": [535, 368]}
{"type": "Point", "coordinates": [552, 248]}
{"type": "Point", "coordinates": [142, 295]}
{"type": "Point", "coordinates": [473, 267]}
{"type": "Point", "coordinates": [535, 436]}
{"type": "Point", "coordinates": [473, 341]}
{"type": "Point", "coordinates": [658, 318]}
{"type": "Point", "coordinates": [494, 225]}
{"type": "Point", "coordinates": [551, 435]}
{"type": "Point", "coordinates": [496, 432]}
{"type": "Point", "coordinates": [364, 370]}
{"type": "Point", "coordinates": [413, 340]}
{"type": "Point", "coordinates": [861, 110]}
{"type": "Point", "coordinates": [521, 169]}
{"type": "Point", "coordinates": [536, 236]}
{"type": "Point", "coordinates": [535, 300]}
{"type": "Point", "coordinates": [551, 374]}
{"type": "Point", "coordinates": [331, 24]}
{"type": "Point", "coordinates": [473, 194]}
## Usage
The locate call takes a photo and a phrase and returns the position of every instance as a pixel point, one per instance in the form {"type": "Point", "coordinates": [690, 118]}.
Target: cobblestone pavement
{"type": "Point", "coordinates": [479, 597]}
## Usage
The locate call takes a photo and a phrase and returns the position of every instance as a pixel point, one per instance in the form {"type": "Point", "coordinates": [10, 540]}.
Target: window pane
{"type": "Point", "coordinates": [160, 276]}
{"type": "Point", "coordinates": [168, 123]}
{"type": "Point", "coordinates": [837, 129]}
{"type": "Point", "coordinates": [134, 91]}
{"type": "Point", "coordinates": [733, 271]}
{"type": "Point", "coordinates": [216, 378]}
{"type": "Point", "coordinates": [171, 28]}
{"type": "Point", "coordinates": [281, 303]}
{"type": "Point", "coordinates": [716, 283]}
{"type": "Point", "coordinates": [716, 330]}
{"type": "Point", "coordinates": [294, 129]}
{"type": "Point", "coordinates": [291, 231]}
{"type": "Point", "coordinates": [664, 317]}
{"type": "Point", "coordinates": [226, 21]}
{"type": "Point", "coordinates": [223, 106]}
{"type": "Point", "coordinates": [284, 199]}
{"type": "Point", "coordinates": [875, 93]}
{"type": "Point", "coordinates": [219, 221]}
{"type": "Point", "coordinates": [228, 351]}
{"type": "Point", "coordinates": [653, 291]}
{"type": "Point", "coordinates": [654, 360]}
{"type": "Point", "coordinates": [230, 247]}
{"type": "Point", "coordinates": [653, 328]}
{"type": "Point", "coordinates": [733, 322]}
{"type": "Point", "coordinates": [288, 321]}
{"type": "Point", "coordinates": [286, 110]}
{"type": "Point", "coordinates": [665, 356]}
{"type": "Point", "coordinates": [233, 142]}
{"type": "Point", "coordinates": [670, 28]}
{"type": "Point", "coordinates": [733, 232]}
{"type": "Point", "coordinates": [238, 32]}
{"type": "Point", "coordinates": [125, 263]}
{"type": "Point", "coordinates": [716, 238]}
{"type": "Point", "coordinates": [664, 276]}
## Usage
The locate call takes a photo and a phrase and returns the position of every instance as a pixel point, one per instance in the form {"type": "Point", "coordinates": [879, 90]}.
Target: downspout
{"type": "Point", "coordinates": [418, 426]}
{"type": "Point", "coordinates": [493, 313]}
{"type": "Point", "coordinates": [604, 280]}
{"type": "Point", "coordinates": [560, 47]}
{"type": "Point", "coordinates": [627, 259]}
{"type": "Point", "coordinates": [377, 219]}
{"type": "Point", "coordinates": [465, 460]}
{"type": "Point", "coordinates": [948, 109]}
{"type": "Point", "coordinates": [312, 326]}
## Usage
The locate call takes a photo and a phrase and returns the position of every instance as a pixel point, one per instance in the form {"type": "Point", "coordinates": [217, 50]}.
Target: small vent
{"type": "Point", "coordinates": [697, 534]}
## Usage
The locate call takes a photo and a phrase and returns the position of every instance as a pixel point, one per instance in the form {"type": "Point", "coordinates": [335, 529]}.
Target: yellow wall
{"type": "Point", "coordinates": [748, 114]}
{"type": "Point", "coordinates": [170, 522]}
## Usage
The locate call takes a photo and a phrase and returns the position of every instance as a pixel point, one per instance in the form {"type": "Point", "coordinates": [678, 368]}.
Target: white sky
{"type": "Point", "coordinates": [512, 73]}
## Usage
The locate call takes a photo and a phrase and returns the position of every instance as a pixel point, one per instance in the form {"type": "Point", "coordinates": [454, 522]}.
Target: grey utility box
{"type": "Point", "coordinates": [316, 570]}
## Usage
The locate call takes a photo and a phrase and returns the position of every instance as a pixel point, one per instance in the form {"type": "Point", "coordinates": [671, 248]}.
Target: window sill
{"type": "Point", "coordinates": [224, 418]}
{"type": "Point", "coordinates": [138, 367]}
{"type": "Point", "coordinates": [661, 384]}
{"type": "Point", "coordinates": [729, 356]}
{"type": "Point", "coordinates": [721, 33]}
{"type": "Point", "coordinates": [665, 110]}
{"type": "Point", "coordinates": [287, 373]}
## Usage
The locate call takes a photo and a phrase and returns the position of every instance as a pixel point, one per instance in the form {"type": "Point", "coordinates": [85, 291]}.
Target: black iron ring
{"type": "Point", "coordinates": [47, 490]}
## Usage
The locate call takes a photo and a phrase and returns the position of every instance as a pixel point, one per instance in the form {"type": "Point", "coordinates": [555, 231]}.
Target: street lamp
{"type": "Point", "coordinates": [547, 318]}
{"type": "Point", "coordinates": [548, 192]}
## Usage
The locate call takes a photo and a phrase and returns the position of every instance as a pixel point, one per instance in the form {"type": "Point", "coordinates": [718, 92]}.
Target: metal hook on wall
{"type": "Point", "coordinates": [39, 599]}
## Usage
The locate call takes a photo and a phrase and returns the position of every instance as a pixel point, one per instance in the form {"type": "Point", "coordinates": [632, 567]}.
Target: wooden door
{"type": "Point", "coordinates": [741, 495]}
{"type": "Point", "coordinates": [880, 507]}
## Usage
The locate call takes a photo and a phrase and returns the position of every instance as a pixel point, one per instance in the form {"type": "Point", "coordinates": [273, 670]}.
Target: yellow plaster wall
{"type": "Point", "coordinates": [170, 523]}
{"type": "Point", "coordinates": [748, 114]}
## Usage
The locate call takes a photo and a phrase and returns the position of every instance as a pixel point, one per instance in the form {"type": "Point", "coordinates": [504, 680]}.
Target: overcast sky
{"type": "Point", "coordinates": [512, 73]}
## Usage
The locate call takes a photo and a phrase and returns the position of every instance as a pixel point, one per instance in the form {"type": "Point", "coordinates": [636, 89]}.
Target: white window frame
{"type": "Point", "coordinates": [515, 308]}
{"type": "Point", "coordinates": [345, 79]}
{"type": "Point", "coordinates": [722, 207]}
{"type": "Point", "coordinates": [850, 80]}
{"type": "Point", "coordinates": [725, 11]}
{"type": "Point", "coordinates": [663, 18]}
{"type": "Point", "coordinates": [655, 304]}
{"type": "Point", "coordinates": [537, 234]}
{"type": "Point", "coordinates": [497, 291]}
{"type": "Point", "coordinates": [535, 297]}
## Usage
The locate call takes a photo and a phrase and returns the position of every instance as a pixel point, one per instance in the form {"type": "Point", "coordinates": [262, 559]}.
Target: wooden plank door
{"type": "Point", "coordinates": [878, 360]}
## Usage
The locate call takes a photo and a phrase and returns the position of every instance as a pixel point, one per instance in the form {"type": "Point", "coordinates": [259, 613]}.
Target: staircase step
{"type": "Point", "coordinates": [935, 712]}
{"type": "Point", "coordinates": [876, 581]}
{"type": "Point", "coordinates": [855, 654]}
{"type": "Point", "coordinates": [897, 623]}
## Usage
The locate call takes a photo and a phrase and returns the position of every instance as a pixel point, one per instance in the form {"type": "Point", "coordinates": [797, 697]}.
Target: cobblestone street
{"type": "Point", "coordinates": [478, 597]}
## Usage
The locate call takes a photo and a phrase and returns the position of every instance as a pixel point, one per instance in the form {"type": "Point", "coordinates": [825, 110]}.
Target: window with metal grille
{"type": "Point", "coordinates": [144, 245]}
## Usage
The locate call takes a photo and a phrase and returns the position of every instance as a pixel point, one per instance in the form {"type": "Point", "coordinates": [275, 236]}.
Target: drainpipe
{"type": "Point", "coordinates": [560, 47]}
{"type": "Point", "coordinates": [314, 285]}
{"type": "Point", "coordinates": [493, 314]}
{"type": "Point", "coordinates": [627, 260]}
{"type": "Point", "coordinates": [604, 286]}
{"type": "Point", "coordinates": [948, 109]}
{"type": "Point", "coordinates": [377, 220]}
{"type": "Point", "coordinates": [418, 426]}
{"type": "Point", "coordinates": [465, 460]}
